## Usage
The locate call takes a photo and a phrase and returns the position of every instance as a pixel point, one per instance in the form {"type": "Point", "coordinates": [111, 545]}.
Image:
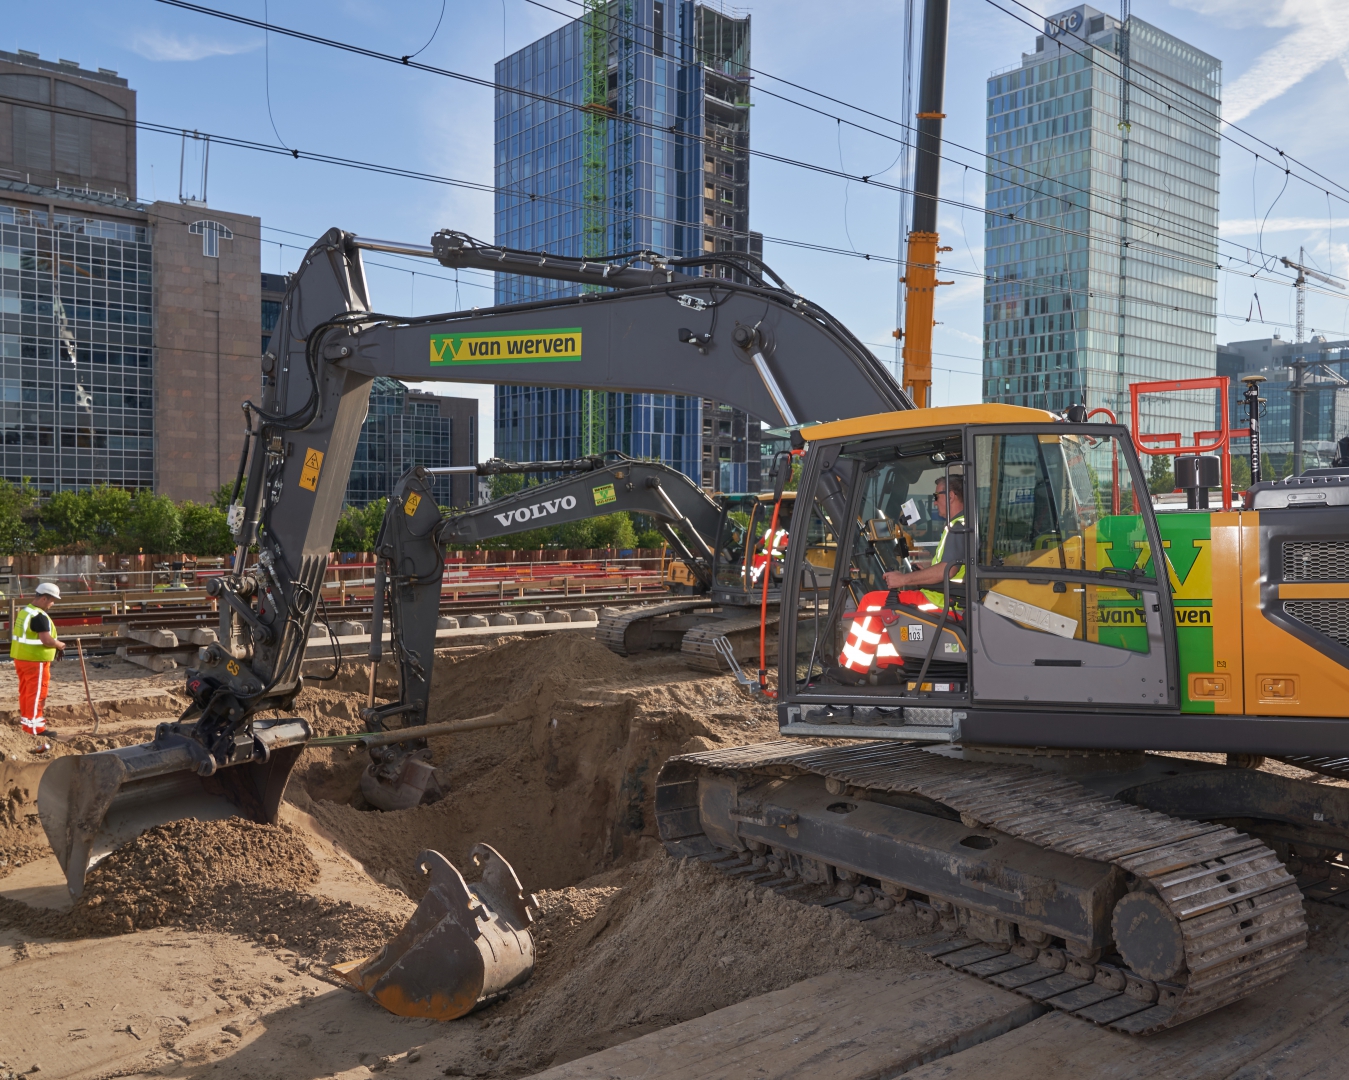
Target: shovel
{"type": "Point", "coordinates": [464, 946]}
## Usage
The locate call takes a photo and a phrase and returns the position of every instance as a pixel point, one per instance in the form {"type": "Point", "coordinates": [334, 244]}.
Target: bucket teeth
{"type": "Point", "coordinates": [464, 946]}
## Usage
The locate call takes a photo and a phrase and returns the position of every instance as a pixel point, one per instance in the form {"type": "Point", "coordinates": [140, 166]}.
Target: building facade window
{"type": "Point", "coordinates": [678, 80]}
{"type": "Point", "coordinates": [76, 351]}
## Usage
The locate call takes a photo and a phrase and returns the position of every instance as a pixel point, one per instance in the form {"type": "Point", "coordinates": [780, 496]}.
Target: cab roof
{"type": "Point", "coordinates": [915, 419]}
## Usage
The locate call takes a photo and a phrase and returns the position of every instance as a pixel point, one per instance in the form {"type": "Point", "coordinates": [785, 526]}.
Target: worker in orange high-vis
{"type": "Point", "coordinates": [33, 646]}
{"type": "Point", "coordinates": [867, 645]}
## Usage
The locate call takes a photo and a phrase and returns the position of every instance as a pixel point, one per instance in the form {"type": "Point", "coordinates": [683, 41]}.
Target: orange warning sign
{"type": "Point", "coordinates": [309, 475]}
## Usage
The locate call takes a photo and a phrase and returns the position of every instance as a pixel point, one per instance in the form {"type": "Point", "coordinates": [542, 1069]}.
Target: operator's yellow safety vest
{"type": "Point", "coordinates": [24, 644]}
{"type": "Point", "coordinates": [958, 578]}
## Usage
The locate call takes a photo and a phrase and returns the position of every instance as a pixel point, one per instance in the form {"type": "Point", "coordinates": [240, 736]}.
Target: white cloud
{"type": "Point", "coordinates": [1319, 35]}
{"type": "Point", "coordinates": [158, 45]}
{"type": "Point", "coordinates": [1252, 226]}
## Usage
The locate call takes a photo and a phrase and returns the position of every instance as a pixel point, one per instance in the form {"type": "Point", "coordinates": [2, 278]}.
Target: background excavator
{"type": "Point", "coordinates": [718, 541]}
{"type": "Point", "coordinates": [752, 343]}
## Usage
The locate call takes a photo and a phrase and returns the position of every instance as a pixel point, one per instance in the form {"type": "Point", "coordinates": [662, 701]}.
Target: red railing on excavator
{"type": "Point", "coordinates": [1172, 445]}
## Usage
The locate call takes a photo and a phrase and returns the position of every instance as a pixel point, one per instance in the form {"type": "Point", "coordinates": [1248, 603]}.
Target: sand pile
{"type": "Point", "coordinates": [659, 943]}
{"type": "Point", "coordinates": [232, 876]}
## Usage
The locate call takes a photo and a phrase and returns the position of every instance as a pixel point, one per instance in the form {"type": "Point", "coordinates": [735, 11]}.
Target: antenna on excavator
{"type": "Point", "coordinates": [920, 271]}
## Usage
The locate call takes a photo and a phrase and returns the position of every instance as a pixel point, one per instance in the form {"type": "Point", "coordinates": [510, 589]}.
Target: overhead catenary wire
{"type": "Point", "coordinates": [374, 54]}
{"type": "Point", "coordinates": [784, 241]}
{"type": "Point", "coordinates": [1137, 209]}
{"type": "Point", "coordinates": [533, 95]}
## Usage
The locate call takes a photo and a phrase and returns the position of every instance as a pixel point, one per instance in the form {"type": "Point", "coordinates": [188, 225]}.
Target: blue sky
{"type": "Point", "coordinates": [1285, 70]}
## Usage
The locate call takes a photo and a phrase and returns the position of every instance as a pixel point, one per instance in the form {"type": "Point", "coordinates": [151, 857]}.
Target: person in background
{"type": "Point", "coordinates": [33, 646]}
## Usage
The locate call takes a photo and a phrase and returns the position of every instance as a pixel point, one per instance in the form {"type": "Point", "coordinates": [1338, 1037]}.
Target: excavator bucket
{"type": "Point", "coordinates": [91, 804]}
{"type": "Point", "coordinates": [464, 946]}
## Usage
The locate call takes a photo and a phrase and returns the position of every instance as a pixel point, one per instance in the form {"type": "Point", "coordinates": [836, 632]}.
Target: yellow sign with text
{"type": "Point", "coordinates": [411, 503]}
{"type": "Point", "coordinates": [506, 347]}
{"type": "Point", "coordinates": [309, 474]}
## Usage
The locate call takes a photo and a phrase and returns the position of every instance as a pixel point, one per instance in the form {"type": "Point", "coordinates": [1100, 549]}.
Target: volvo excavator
{"type": "Point", "coordinates": [999, 758]}
{"type": "Point", "coordinates": [664, 326]}
{"type": "Point", "coordinates": [718, 541]}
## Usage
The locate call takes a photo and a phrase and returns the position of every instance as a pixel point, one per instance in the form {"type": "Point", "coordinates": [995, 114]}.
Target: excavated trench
{"type": "Point", "coordinates": [628, 940]}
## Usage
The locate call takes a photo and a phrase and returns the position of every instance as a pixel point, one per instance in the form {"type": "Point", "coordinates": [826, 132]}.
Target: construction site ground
{"type": "Point", "coordinates": [203, 949]}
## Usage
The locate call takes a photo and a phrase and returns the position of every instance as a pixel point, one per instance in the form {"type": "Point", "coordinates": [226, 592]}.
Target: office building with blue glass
{"type": "Point", "coordinates": [1101, 230]}
{"type": "Point", "coordinates": [676, 180]}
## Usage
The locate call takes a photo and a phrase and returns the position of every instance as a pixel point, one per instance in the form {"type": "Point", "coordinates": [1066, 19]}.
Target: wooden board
{"type": "Point", "coordinates": [1302, 1010]}
{"type": "Point", "coordinates": [840, 1026]}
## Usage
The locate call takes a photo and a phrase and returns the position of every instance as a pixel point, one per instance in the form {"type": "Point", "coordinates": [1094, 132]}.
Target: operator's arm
{"type": "Point", "coordinates": [928, 575]}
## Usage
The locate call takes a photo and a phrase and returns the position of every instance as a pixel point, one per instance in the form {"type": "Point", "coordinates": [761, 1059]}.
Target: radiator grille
{"type": "Point", "coordinates": [1328, 617]}
{"type": "Point", "coordinates": [1305, 561]}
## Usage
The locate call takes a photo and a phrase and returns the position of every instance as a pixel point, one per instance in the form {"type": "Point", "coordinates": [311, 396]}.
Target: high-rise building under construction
{"type": "Point", "coordinates": [627, 129]}
{"type": "Point", "coordinates": [1101, 229]}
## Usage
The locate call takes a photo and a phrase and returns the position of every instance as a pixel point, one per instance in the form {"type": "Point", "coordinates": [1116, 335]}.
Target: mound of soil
{"type": "Point", "coordinates": [171, 871]}
{"type": "Point", "coordinates": [232, 876]}
{"type": "Point", "coordinates": [658, 943]}
{"type": "Point", "coordinates": [566, 792]}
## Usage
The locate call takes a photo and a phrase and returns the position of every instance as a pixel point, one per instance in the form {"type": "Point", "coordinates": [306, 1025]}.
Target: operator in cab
{"type": "Point", "coordinates": [950, 551]}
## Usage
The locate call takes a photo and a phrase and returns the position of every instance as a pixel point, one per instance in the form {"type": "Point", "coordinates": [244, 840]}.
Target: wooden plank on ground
{"type": "Point", "coordinates": [1224, 1044]}
{"type": "Point", "coordinates": [840, 1026]}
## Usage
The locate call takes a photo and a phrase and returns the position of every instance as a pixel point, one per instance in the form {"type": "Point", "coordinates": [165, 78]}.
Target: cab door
{"type": "Point", "coordinates": [1065, 607]}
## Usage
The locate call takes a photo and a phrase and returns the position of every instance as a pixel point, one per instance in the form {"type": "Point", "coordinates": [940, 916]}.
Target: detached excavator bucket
{"type": "Point", "coordinates": [464, 946]}
{"type": "Point", "coordinates": [91, 804]}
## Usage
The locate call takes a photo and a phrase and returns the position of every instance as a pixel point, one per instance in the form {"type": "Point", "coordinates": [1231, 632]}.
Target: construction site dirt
{"type": "Point", "coordinates": [203, 949]}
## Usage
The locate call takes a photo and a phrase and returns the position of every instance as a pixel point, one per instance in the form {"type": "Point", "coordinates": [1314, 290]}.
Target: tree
{"type": "Point", "coordinates": [358, 529]}
{"type": "Point", "coordinates": [155, 526]}
{"type": "Point", "coordinates": [1161, 478]}
{"type": "Point", "coordinates": [1241, 472]}
{"type": "Point", "coordinates": [220, 498]}
{"type": "Point", "coordinates": [17, 513]}
{"type": "Point", "coordinates": [205, 530]}
{"type": "Point", "coordinates": [65, 520]}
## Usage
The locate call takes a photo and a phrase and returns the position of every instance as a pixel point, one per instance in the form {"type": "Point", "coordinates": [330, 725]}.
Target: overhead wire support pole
{"type": "Point", "coordinates": [920, 275]}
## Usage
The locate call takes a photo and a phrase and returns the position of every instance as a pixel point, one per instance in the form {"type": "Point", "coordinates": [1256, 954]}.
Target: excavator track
{"type": "Point", "coordinates": [623, 630]}
{"type": "Point", "coordinates": [1239, 911]}
{"type": "Point", "coordinates": [692, 626]}
{"type": "Point", "coordinates": [700, 652]}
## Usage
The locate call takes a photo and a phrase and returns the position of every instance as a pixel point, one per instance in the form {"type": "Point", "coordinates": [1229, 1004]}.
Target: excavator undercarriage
{"type": "Point", "coordinates": [1077, 880]}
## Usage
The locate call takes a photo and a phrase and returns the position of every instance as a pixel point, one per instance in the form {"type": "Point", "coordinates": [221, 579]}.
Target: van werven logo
{"type": "Point", "coordinates": [506, 347]}
{"type": "Point", "coordinates": [537, 510]}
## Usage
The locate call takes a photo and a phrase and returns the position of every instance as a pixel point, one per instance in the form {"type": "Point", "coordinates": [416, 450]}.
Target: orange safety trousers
{"type": "Point", "coordinates": [35, 677]}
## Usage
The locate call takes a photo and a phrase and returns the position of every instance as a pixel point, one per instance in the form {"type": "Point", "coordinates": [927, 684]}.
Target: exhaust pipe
{"type": "Point", "coordinates": [91, 804]}
{"type": "Point", "coordinates": [464, 946]}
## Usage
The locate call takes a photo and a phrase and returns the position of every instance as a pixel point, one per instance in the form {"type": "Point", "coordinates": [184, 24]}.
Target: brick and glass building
{"type": "Point", "coordinates": [129, 330]}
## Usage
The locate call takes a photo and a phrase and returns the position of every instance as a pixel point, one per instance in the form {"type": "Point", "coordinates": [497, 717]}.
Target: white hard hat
{"type": "Point", "coordinates": [47, 588]}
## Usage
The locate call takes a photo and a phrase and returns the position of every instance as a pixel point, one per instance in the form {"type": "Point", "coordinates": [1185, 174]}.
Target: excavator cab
{"type": "Point", "coordinates": [1048, 572]}
{"type": "Point", "coordinates": [745, 548]}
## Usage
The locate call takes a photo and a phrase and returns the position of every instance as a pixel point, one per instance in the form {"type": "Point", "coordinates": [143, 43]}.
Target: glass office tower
{"type": "Point", "coordinates": [1101, 230]}
{"type": "Point", "coordinates": [675, 180]}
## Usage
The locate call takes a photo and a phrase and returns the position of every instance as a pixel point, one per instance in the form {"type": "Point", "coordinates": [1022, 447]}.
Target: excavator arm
{"type": "Point", "coordinates": [746, 340]}
{"type": "Point", "coordinates": [411, 551]}
{"type": "Point", "coordinates": [757, 346]}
